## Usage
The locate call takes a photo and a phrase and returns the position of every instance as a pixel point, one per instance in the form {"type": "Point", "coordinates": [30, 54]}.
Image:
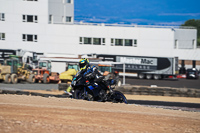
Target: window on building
{"type": "Point", "coordinates": [103, 41]}
{"type": "Point", "coordinates": [2, 17]}
{"type": "Point", "coordinates": [30, 18]}
{"type": "Point", "coordinates": [97, 41]}
{"type": "Point", "coordinates": [63, 19]}
{"type": "Point", "coordinates": [112, 42]}
{"type": "Point", "coordinates": [193, 43]}
{"type": "Point", "coordinates": [2, 36]}
{"type": "Point", "coordinates": [128, 42]}
{"type": "Point", "coordinates": [36, 19]}
{"type": "Point", "coordinates": [94, 41]}
{"type": "Point", "coordinates": [68, 19]}
{"type": "Point", "coordinates": [68, 1]}
{"type": "Point", "coordinates": [29, 38]}
{"type": "Point", "coordinates": [135, 43]}
{"type": "Point", "coordinates": [123, 42]}
{"type": "Point", "coordinates": [176, 44]}
{"type": "Point", "coordinates": [50, 19]}
{"type": "Point", "coordinates": [81, 40]}
{"type": "Point", "coordinates": [87, 40]}
{"type": "Point", "coordinates": [35, 37]}
{"type": "Point", "coordinates": [118, 42]}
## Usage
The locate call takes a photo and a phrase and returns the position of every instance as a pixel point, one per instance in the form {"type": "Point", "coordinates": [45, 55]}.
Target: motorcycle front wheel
{"type": "Point", "coordinates": [118, 97]}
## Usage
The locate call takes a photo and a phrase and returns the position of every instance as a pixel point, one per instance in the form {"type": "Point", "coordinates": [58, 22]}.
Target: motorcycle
{"type": "Point", "coordinates": [97, 89]}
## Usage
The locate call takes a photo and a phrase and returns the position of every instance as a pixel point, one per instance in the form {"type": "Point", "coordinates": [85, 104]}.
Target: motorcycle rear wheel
{"type": "Point", "coordinates": [79, 94]}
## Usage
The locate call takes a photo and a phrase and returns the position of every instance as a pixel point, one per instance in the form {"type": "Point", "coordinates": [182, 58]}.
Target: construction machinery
{"type": "Point", "coordinates": [67, 76]}
{"type": "Point", "coordinates": [43, 75]}
{"type": "Point", "coordinates": [5, 73]}
{"type": "Point", "coordinates": [12, 71]}
{"type": "Point", "coordinates": [48, 71]}
{"type": "Point", "coordinates": [28, 57]}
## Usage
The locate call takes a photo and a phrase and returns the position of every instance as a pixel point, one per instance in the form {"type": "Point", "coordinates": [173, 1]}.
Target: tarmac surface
{"type": "Point", "coordinates": [176, 83]}
{"type": "Point", "coordinates": [180, 83]}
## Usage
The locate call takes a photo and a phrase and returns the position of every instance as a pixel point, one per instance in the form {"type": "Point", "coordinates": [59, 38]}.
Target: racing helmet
{"type": "Point", "coordinates": [83, 63]}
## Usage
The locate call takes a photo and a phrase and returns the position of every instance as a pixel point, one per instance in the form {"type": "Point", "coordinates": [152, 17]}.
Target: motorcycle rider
{"type": "Point", "coordinates": [88, 72]}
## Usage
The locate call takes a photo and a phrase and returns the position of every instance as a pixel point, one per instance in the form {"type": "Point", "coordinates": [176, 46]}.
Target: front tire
{"type": "Point", "coordinates": [8, 79]}
{"type": "Point", "coordinates": [32, 79]}
{"type": "Point", "coordinates": [118, 97]}
{"type": "Point", "coordinates": [14, 78]}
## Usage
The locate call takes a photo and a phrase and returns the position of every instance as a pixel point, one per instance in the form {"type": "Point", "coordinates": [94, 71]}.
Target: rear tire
{"type": "Point", "coordinates": [157, 76]}
{"type": "Point", "coordinates": [14, 78]}
{"type": "Point", "coordinates": [149, 76]}
{"type": "Point", "coordinates": [46, 79]}
{"type": "Point", "coordinates": [8, 79]}
{"type": "Point", "coordinates": [141, 76]}
{"type": "Point", "coordinates": [32, 79]}
{"type": "Point", "coordinates": [79, 94]}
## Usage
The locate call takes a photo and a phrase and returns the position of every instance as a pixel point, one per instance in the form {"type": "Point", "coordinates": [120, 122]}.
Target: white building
{"type": "Point", "coordinates": [48, 26]}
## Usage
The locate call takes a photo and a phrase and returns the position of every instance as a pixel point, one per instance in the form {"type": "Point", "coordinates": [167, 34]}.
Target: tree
{"type": "Point", "coordinates": [196, 24]}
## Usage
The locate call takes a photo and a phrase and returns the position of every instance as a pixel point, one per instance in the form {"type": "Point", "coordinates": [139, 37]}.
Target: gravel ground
{"type": "Point", "coordinates": [19, 113]}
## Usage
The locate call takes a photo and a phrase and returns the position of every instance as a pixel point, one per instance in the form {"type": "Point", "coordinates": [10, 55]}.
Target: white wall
{"type": "Point", "coordinates": [56, 38]}
{"type": "Point", "coordinates": [59, 9]}
{"type": "Point", "coordinates": [62, 38]}
{"type": "Point", "coordinates": [14, 9]}
{"type": "Point", "coordinates": [185, 38]}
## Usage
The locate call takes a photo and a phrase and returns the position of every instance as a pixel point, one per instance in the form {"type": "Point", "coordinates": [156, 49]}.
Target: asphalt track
{"type": "Point", "coordinates": [195, 107]}
{"type": "Point", "coordinates": [180, 83]}
{"type": "Point", "coordinates": [175, 83]}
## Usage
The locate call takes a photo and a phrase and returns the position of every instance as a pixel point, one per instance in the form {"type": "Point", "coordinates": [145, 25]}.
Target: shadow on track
{"type": "Point", "coordinates": [161, 103]}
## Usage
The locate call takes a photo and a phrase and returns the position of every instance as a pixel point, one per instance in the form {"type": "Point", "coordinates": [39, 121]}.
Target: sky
{"type": "Point", "coordinates": [141, 12]}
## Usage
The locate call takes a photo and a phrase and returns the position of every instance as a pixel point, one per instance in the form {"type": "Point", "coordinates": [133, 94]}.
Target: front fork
{"type": "Point", "coordinates": [85, 94]}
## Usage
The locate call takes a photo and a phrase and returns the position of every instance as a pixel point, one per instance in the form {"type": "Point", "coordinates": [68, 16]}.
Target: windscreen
{"type": "Point", "coordinates": [104, 68]}
{"type": "Point", "coordinates": [42, 64]}
{"type": "Point", "coordinates": [73, 67]}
